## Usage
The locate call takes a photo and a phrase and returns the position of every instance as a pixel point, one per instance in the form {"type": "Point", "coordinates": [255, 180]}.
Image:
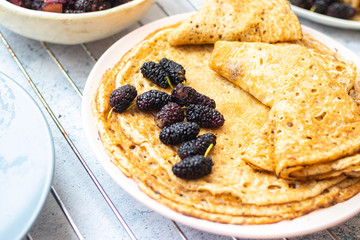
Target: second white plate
{"type": "Point", "coordinates": [315, 221]}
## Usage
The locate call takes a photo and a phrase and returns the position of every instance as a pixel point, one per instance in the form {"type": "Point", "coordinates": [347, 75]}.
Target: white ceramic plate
{"type": "Point", "coordinates": [310, 223]}
{"type": "Point", "coordinates": [26, 160]}
{"type": "Point", "coordinates": [326, 20]}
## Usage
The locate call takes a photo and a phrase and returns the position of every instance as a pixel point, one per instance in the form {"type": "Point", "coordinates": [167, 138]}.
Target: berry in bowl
{"type": "Point", "coordinates": [70, 21]}
{"type": "Point", "coordinates": [68, 6]}
{"type": "Point", "coordinates": [332, 8]}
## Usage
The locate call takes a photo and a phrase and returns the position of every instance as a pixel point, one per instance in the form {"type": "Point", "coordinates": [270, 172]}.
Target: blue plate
{"type": "Point", "coordinates": [26, 160]}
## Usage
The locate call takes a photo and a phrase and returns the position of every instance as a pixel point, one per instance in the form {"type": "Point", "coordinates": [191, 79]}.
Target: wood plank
{"type": "Point", "coordinates": [175, 7]}
{"type": "Point", "coordinates": [196, 3]}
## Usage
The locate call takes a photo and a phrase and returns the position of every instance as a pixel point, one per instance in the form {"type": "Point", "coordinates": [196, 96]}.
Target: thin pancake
{"type": "Point", "coordinates": [239, 20]}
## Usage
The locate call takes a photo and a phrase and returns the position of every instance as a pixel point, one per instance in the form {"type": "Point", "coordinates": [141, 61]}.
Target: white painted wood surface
{"type": "Point", "coordinates": [91, 214]}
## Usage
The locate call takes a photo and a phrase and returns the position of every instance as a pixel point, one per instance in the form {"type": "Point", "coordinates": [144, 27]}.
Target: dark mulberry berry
{"type": "Point", "coordinates": [302, 3]}
{"type": "Point", "coordinates": [152, 100]}
{"type": "Point", "coordinates": [155, 73]}
{"type": "Point", "coordinates": [37, 4]}
{"type": "Point", "coordinates": [83, 5]}
{"type": "Point", "coordinates": [175, 71]}
{"type": "Point", "coordinates": [204, 116]}
{"type": "Point", "coordinates": [99, 5]}
{"type": "Point", "coordinates": [169, 114]}
{"type": "Point", "coordinates": [193, 167]}
{"type": "Point", "coordinates": [184, 95]}
{"type": "Point", "coordinates": [68, 6]}
{"type": "Point", "coordinates": [121, 97]}
{"type": "Point", "coordinates": [341, 10]}
{"type": "Point", "coordinates": [28, 3]}
{"type": "Point", "coordinates": [320, 6]}
{"type": "Point", "coordinates": [19, 3]}
{"type": "Point", "coordinates": [179, 132]}
{"type": "Point", "coordinates": [196, 146]}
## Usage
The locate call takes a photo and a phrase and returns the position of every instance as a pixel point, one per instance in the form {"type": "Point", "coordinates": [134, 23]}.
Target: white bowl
{"type": "Point", "coordinates": [65, 28]}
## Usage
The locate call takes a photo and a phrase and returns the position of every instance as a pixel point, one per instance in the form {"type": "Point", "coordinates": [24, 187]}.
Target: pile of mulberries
{"type": "Point", "coordinates": [68, 6]}
{"type": "Point", "coordinates": [200, 113]}
{"type": "Point", "coordinates": [184, 103]}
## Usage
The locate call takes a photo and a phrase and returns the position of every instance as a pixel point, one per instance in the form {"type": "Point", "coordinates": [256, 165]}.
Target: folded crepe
{"type": "Point", "coordinates": [239, 20]}
{"type": "Point", "coordinates": [313, 129]}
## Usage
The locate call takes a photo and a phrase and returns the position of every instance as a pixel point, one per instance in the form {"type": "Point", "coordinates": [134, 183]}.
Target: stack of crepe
{"type": "Point", "coordinates": [260, 94]}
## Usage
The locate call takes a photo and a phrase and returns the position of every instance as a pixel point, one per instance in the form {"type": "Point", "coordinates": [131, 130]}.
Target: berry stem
{"type": "Point", "coordinates": [130, 106]}
{"type": "Point", "coordinates": [172, 155]}
{"type": "Point", "coordinates": [168, 80]}
{"type": "Point", "coordinates": [208, 149]}
{"type": "Point", "coordinates": [111, 110]}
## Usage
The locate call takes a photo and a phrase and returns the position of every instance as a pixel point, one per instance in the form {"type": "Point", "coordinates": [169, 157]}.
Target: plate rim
{"type": "Point", "coordinates": [326, 20]}
{"type": "Point", "coordinates": [107, 61]}
{"type": "Point", "coordinates": [50, 172]}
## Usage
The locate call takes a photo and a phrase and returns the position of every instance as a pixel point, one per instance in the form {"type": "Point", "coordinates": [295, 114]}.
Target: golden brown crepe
{"type": "Point", "coordinates": [239, 20]}
{"type": "Point", "coordinates": [313, 130]}
{"type": "Point", "coordinates": [234, 192]}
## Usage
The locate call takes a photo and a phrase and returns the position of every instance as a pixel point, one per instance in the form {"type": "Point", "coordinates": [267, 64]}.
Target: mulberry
{"type": "Point", "coordinates": [155, 73]}
{"type": "Point", "coordinates": [184, 95]}
{"type": "Point", "coordinates": [193, 167]}
{"type": "Point", "coordinates": [302, 3]}
{"type": "Point", "coordinates": [121, 97]}
{"type": "Point", "coordinates": [204, 116]}
{"type": "Point", "coordinates": [179, 132]}
{"type": "Point", "coordinates": [83, 5]}
{"type": "Point", "coordinates": [37, 4]}
{"type": "Point", "coordinates": [169, 114]}
{"type": "Point", "coordinates": [28, 3]}
{"type": "Point", "coordinates": [99, 5]}
{"type": "Point", "coordinates": [341, 10]}
{"type": "Point", "coordinates": [175, 71]}
{"type": "Point", "coordinates": [196, 146]}
{"type": "Point", "coordinates": [152, 100]}
{"type": "Point", "coordinates": [320, 6]}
